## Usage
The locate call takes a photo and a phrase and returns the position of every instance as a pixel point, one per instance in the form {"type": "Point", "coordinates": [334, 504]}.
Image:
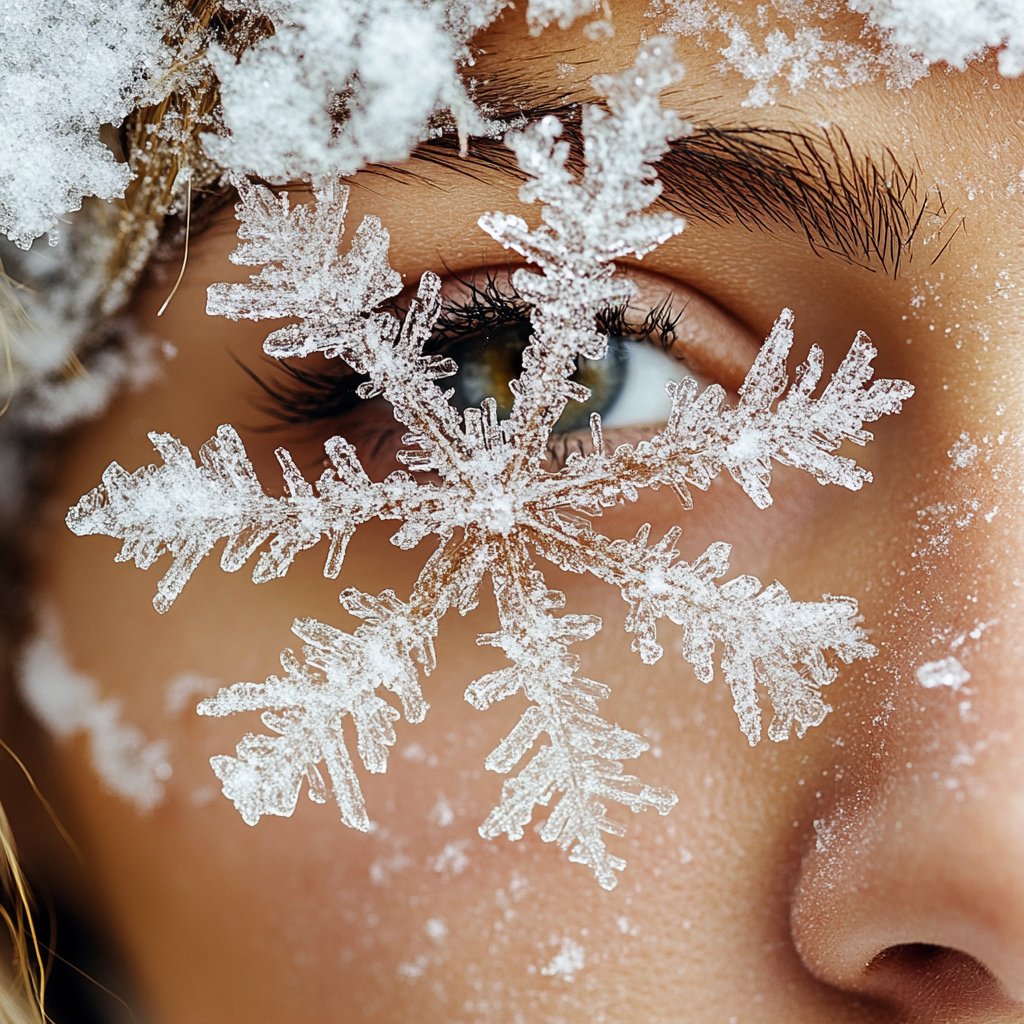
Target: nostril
{"type": "Point", "coordinates": [917, 958]}
{"type": "Point", "coordinates": [936, 981]}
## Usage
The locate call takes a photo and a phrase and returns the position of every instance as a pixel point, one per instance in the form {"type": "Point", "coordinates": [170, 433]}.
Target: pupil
{"type": "Point", "coordinates": [487, 362]}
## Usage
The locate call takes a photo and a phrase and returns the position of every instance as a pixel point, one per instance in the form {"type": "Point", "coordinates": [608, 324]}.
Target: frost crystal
{"type": "Point", "coordinates": [481, 490]}
{"type": "Point", "coordinates": [954, 31]}
{"type": "Point", "coordinates": [69, 67]}
{"type": "Point", "coordinates": [801, 49]}
{"type": "Point", "coordinates": [343, 83]}
{"type": "Point", "coordinates": [947, 672]}
{"type": "Point", "coordinates": [899, 39]}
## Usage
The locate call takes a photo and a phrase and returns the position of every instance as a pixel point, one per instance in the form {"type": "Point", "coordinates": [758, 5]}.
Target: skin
{"type": "Point", "coordinates": [869, 872]}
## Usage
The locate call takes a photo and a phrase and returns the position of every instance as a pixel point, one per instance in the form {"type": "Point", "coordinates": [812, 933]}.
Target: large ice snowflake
{"type": "Point", "coordinates": [481, 490]}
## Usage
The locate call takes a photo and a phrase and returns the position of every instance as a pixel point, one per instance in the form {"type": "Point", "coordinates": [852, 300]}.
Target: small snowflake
{"type": "Point", "coordinates": [478, 488]}
{"type": "Point", "coordinates": [946, 672]}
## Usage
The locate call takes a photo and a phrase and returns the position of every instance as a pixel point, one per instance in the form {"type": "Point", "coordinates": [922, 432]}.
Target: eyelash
{"type": "Point", "coordinates": [296, 395]}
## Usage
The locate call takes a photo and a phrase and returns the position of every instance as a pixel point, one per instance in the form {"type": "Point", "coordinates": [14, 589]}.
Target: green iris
{"type": "Point", "coordinates": [488, 363]}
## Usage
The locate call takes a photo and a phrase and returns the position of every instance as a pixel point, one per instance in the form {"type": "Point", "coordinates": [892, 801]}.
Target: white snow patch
{"type": "Point", "coordinates": [567, 962]}
{"type": "Point", "coordinates": [963, 452]}
{"type": "Point", "coordinates": [68, 67]}
{"type": "Point", "coordinates": [798, 51]}
{"type": "Point", "coordinates": [68, 703]}
{"type": "Point", "coordinates": [952, 31]}
{"type": "Point", "coordinates": [453, 859]}
{"type": "Point", "coordinates": [946, 672]}
{"type": "Point", "coordinates": [441, 814]}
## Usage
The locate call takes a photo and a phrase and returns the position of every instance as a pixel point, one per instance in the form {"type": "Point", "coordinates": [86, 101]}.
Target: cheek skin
{"type": "Point", "coordinates": [191, 886]}
{"type": "Point", "coordinates": [212, 888]}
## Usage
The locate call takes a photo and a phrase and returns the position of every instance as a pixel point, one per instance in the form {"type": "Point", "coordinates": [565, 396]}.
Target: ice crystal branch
{"type": "Point", "coordinates": [767, 641]}
{"type": "Point", "coordinates": [478, 489]}
{"type": "Point", "coordinates": [304, 274]}
{"type": "Point", "coordinates": [587, 224]}
{"type": "Point", "coordinates": [185, 508]}
{"type": "Point", "coordinates": [338, 677]}
{"type": "Point", "coordinates": [581, 761]}
{"type": "Point", "coordinates": [773, 421]}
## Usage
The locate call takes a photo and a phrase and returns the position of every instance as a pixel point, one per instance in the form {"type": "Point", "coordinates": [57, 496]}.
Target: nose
{"type": "Point", "coordinates": [913, 894]}
{"type": "Point", "coordinates": [918, 901]}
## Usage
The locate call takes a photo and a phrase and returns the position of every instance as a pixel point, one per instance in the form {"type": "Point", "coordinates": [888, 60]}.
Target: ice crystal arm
{"type": "Point", "coordinates": [339, 676]}
{"type": "Point", "coordinates": [579, 762]}
{"type": "Point", "coordinates": [492, 505]}
{"type": "Point", "coordinates": [766, 642]}
{"type": "Point", "coordinates": [774, 420]}
{"type": "Point", "coordinates": [335, 300]}
{"type": "Point", "coordinates": [798, 429]}
{"type": "Point", "coordinates": [587, 224]}
{"type": "Point", "coordinates": [184, 508]}
{"type": "Point", "coordinates": [304, 273]}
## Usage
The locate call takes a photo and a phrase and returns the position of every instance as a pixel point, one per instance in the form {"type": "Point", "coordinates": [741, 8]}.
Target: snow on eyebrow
{"type": "Point", "coordinates": [342, 84]}
{"type": "Point", "coordinates": [477, 492]}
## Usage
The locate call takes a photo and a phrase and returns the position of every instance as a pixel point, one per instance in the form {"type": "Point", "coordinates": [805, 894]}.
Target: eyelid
{"type": "Point", "coordinates": [711, 342]}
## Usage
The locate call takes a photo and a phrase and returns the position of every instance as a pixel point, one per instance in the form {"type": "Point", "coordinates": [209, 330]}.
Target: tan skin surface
{"type": "Point", "coordinates": [735, 906]}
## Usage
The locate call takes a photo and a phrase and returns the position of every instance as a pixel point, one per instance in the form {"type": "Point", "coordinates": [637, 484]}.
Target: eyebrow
{"type": "Point", "coordinates": [866, 209]}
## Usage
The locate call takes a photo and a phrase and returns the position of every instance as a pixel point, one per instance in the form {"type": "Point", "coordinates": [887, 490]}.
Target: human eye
{"type": "Point", "coordinates": [667, 332]}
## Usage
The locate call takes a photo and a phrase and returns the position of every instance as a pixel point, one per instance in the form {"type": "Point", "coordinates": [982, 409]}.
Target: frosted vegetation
{"type": "Point", "coordinates": [477, 495]}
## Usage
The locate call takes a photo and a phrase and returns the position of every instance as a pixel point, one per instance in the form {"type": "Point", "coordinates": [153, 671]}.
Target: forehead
{"type": "Point", "coordinates": [931, 142]}
{"type": "Point", "coordinates": [770, 61]}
